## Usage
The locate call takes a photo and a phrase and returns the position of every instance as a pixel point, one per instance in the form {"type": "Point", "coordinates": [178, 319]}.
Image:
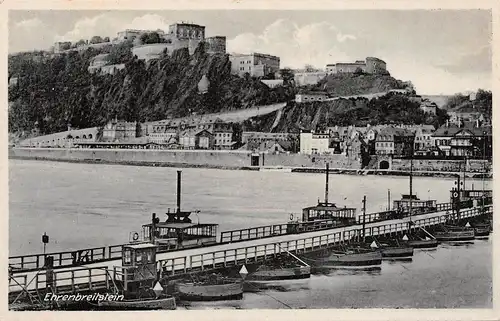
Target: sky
{"type": "Point", "coordinates": [439, 51]}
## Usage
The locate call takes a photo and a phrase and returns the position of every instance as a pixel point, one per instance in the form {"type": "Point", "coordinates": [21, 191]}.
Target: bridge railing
{"type": "Point", "coordinates": [252, 233]}
{"type": "Point", "coordinates": [37, 261]}
{"type": "Point", "coordinates": [63, 281]}
{"type": "Point", "coordinates": [245, 255]}
{"type": "Point", "coordinates": [251, 254]}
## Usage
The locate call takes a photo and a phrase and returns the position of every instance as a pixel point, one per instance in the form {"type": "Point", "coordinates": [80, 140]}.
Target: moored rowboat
{"type": "Point", "coordinates": [265, 274]}
{"type": "Point", "coordinates": [423, 244]}
{"type": "Point", "coordinates": [396, 252]}
{"type": "Point", "coordinates": [191, 291]}
{"type": "Point", "coordinates": [351, 258]}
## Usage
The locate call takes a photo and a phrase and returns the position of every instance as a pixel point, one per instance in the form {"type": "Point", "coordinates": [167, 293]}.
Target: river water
{"type": "Point", "coordinates": [91, 205]}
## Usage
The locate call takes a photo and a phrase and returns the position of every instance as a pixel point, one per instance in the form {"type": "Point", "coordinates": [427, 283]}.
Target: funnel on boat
{"type": "Point", "coordinates": [405, 238]}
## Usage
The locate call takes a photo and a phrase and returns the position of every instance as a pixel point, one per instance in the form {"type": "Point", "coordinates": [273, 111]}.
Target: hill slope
{"type": "Point", "coordinates": [55, 92]}
{"type": "Point", "coordinates": [357, 84]}
{"type": "Point", "coordinates": [390, 108]}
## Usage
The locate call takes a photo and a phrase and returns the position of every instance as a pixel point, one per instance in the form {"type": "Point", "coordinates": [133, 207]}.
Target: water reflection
{"type": "Point", "coordinates": [374, 270]}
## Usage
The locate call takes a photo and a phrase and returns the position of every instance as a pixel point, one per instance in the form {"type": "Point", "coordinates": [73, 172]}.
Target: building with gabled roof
{"type": "Point", "coordinates": [468, 140]}
{"type": "Point", "coordinates": [394, 141]}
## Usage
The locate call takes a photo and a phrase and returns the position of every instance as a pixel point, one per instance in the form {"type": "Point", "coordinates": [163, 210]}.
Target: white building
{"type": "Point", "coordinates": [255, 64]}
{"type": "Point", "coordinates": [314, 143]}
{"type": "Point", "coordinates": [311, 96]}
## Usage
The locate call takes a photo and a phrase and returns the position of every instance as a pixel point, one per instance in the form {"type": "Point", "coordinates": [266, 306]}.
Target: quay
{"type": "Point", "coordinates": [100, 266]}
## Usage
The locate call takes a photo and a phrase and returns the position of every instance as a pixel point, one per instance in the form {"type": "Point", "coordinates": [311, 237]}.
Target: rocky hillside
{"type": "Point", "coordinates": [358, 84]}
{"type": "Point", "coordinates": [54, 92]}
{"type": "Point", "coordinates": [390, 108]}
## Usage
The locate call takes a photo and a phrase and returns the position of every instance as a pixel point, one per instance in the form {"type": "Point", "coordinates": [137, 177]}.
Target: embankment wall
{"type": "Point", "coordinates": [472, 165]}
{"type": "Point", "coordinates": [197, 158]}
{"type": "Point", "coordinates": [237, 159]}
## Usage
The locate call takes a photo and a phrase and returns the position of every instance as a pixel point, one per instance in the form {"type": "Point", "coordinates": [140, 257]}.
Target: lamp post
{"type": "Point", "coordinates": [45, 241]}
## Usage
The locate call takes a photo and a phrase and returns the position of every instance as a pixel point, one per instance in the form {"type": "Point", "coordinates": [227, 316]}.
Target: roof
{"type": "Point", "coordinates": [425, 130]}
{"type": "Point", "coordinates": [266, 145]}
{"type": "Point", "coordinates": [180, 225]}
{"type": "Point", "coordinates": [204, 131]}
{"type": "Point", "coordinates": [393, 131]}
{"type": "Point", "coordinates": [140, 246]}
{"type": "Point", "coordinates": [189, 132]}
{"type": "Point", "coordinates": [328, 207]}
{"type": "Point", "coordinates": [452, 130]}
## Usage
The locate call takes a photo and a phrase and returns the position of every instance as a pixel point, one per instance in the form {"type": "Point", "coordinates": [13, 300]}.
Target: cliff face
{"type": "Point", "coordinates": [55, 92]}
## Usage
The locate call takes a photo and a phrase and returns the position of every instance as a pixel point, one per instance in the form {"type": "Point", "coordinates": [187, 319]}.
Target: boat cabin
{"type": "Point", "coordinates": [469, 194]}
{"type": "Point", "coordinates": [138, 267]}
{"type": "Point", "coordinates": [418, 205]}
{"type": "Point", "coordinates": [178, 231]}
{"type": "Point", "coordinates": [329, 211]}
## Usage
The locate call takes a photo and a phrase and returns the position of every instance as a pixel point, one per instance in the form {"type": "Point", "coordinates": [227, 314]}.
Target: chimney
{"type": "Point", "coordinates": [447, 123]}
{"type": "Point", "coordinates": [179, 191]}
{"type": "Point", "coordinates": [326, 182]}
{"type": "Point", "coordinates": [477, 123]}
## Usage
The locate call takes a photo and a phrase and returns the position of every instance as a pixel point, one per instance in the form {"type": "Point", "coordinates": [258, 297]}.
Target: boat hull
{"type": "Point", "coordinates": [455, 236]}
{"type": "Point", "coordinates": [423, 244]}
{"type": "Point", "coordinates": [295, 273]}
{"type": "Point", "coordinates": [152, 304]}
{"type": "Point", "coordinates": [396, 252]}
{"type": "Point", "coordinates": [352, 260]}
{"type": "Point", "coordinates": [211, 292]}
{"type": "Point", "coordinates": [481, 231]}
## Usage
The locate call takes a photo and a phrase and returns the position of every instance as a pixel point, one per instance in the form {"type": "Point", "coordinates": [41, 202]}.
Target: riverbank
{"type": "Point", "coordinates": [343, 171]}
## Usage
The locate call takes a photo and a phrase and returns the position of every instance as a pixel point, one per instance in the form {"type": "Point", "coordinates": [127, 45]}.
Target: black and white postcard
{"type": "Point", "coordinates": [243, 160]}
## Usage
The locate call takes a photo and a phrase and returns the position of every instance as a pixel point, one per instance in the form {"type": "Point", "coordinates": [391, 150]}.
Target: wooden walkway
{"type": "Point", "coordinates": [97, 274]}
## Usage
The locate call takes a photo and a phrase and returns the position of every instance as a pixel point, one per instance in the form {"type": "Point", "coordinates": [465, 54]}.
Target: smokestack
{"type": "Point", "coordinates": [179, 191]}
{"type": "Point", "coordinates": [326, 183]}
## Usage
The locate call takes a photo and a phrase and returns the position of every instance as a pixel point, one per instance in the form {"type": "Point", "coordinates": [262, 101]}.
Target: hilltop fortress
{"type": "Point", "coordinates": [372, 65]}
{"type": "Point", "coordinates": [179, 35]}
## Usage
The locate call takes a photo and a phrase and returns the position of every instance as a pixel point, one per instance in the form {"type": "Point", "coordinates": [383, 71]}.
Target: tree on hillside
{"type": "Point", "coordinates": [456, 100]}
{"type": "Point", "coordinates": [81, 42]}
{"type": "Point", "coordinates": [310, 68]}
{"type": "Point", "coordinates": [484, 102]}
{"type": "Point", "coordinates": [358, 71]}
{"type": "Point", "coordinates": [151, 37]}
{"type": "Point", "coordinates": [287, 75]}
{"type": "Point", "coordinates": [120, 53]}
{"type": "Point", "coordinates": [96, 39]}
{"type": "Point", "coordinates": [106, 39]}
